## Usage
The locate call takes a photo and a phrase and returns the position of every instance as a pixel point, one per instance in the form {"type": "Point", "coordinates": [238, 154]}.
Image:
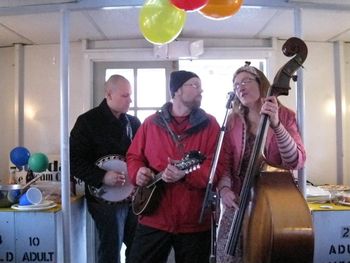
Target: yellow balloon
{"type": "Point", "coordinates": [161, 22]}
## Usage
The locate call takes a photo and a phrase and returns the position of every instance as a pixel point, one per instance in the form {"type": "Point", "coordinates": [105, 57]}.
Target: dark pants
{"type": "Point", "coordinates": [153, 246]}
{"type": "Point", "coordinates": [115, 225]}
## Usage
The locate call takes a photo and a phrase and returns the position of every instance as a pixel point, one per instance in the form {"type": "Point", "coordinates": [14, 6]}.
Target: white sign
{"type": "Point", "coordinates": [7, 237]}
{"type": "Point", "coordinates": [332, 236]}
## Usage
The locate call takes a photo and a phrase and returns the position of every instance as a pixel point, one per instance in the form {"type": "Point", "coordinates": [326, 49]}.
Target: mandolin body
{"type": "Point", "coordinates": [146, 199]}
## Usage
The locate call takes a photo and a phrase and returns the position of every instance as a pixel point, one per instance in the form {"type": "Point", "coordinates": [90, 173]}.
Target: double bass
{"type": "Point", "coordinates": [273, 215]}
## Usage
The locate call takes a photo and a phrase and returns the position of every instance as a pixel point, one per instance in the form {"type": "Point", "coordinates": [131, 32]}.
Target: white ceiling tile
{"type": "Point", "coordinates": [7, 37]}
{"type": "Point", "coordinates": [118, 24]}
{"type": "Point", "coordinates": [324, 25]}
{"type": "Point", "coordinates": [123, 23]}
{"type": "Point", "coordinates": [245, 23]}
{"type": "Point", "coordinates": [39, 28]}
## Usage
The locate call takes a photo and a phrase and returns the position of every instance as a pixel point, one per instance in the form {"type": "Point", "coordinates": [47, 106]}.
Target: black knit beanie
{"type": "Point", "coordinates": [178, 78]}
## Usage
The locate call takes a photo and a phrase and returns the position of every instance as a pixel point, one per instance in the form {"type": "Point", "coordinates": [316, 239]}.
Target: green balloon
{"type": "Point", "coordinates": [161, 22]}
{"type": "Point", "coordinates": [38, 162]}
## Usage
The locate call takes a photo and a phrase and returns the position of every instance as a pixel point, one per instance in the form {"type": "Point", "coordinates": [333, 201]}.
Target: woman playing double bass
{"type": "Point", "coordinates": [283, 147]}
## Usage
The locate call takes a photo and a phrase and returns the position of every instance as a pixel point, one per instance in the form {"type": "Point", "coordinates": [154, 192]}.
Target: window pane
{"type": "Point", "coordinates": [151, 87]}
{"type": "Point", "coordinates": [143, 114]}
{"type": "Point", "coordinates": [216, 77]}
{"type": "Point", "coordinates": [126, 73]}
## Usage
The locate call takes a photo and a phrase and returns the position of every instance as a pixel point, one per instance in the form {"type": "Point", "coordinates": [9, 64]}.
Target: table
{"type": "Point", "coordinates": [37, 236]}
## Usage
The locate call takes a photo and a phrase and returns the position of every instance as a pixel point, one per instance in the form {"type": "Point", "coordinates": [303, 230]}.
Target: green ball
{"type": "Point", "coordinates": [38, 162]}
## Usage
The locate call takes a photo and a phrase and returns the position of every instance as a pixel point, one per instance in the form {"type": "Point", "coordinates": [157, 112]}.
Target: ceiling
{"type": "Point", "coordinates": [38, 21]}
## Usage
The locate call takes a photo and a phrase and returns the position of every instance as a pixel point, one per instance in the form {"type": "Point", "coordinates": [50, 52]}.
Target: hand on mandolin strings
{"type": "Point", "coordinates": [113, 178]}
{"type": "Point", "coordinates": [171, 173]}
{"type": "Point", "coordinates": [144, 176]}
{"type": "Point", "coordinates": [270, 108]}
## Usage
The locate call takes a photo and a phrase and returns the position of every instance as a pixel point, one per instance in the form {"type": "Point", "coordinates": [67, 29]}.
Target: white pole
{"type": "Point", "coordinates": [19, 95]}
{"type": "Point", "coordinates": [65, 175]}
{"type": "Point", "coordinates": [338, 85]}
{"type": "Point", "coordinates": [300, 101]}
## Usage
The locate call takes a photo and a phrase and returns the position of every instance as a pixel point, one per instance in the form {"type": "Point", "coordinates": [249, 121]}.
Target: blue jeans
{"type": "Point", "coordinates": [121, 214]}
{"type": "Point", "coordinates": [115, 224]}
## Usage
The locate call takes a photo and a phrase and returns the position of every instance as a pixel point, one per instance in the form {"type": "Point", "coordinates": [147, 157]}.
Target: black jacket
{"type": "Point", "coordinates": [98, 133]}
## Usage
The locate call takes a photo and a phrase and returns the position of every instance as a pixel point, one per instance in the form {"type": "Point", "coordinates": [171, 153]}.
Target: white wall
{"type": "Point", "coordinates": [7, 108]}
{"type": "Point", "coordinates": [42, 92]}
{"type": "Point", "coordinates": [320, 139]}
{"type": "Point", "coordinates": [42, 95]}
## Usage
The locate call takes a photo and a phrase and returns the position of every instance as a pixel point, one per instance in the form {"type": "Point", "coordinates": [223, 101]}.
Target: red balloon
{"type": "Point", "coordinates": [221, 9]}
{"type": "Point", "coordinates": [189, 5]}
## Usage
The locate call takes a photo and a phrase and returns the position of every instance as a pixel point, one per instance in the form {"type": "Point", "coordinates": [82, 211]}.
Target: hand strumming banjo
{"type": "Point", "coordinates": [112, 193]}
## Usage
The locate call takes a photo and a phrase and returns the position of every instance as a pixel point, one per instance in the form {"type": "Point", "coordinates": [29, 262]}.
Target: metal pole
{"type": "Point", "coordinates": [300, 101]}
{"type": "Point", "coordinates": [65, 175]}
{"type": "Point", "coordinates": [19, 94]}
{"type": "Point", "coordinates": [338, 83]}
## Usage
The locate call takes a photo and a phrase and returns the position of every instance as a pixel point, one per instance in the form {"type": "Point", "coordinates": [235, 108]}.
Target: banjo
{"type": "Point", "coordinates": [116, 193]}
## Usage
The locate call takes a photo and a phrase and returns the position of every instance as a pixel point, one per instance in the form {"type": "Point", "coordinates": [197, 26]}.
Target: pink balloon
{"type": "Point", "coordinates": [189, 5]}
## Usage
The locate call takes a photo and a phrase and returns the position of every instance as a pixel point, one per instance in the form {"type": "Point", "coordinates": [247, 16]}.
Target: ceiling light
{"type": "Point", "coordinates": [320, 2]}
{"type": "Point", "coordinates": [119, 7]}
{"type": "Point", "coordinates": [16, 3]}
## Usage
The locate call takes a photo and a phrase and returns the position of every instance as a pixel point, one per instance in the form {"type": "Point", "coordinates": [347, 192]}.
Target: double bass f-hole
{"type": "Point", "coordinates": [292, 47]}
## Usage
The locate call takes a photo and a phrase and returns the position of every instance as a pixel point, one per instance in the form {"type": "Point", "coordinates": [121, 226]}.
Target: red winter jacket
{"type": "Point", "coordinates": [181, 203]}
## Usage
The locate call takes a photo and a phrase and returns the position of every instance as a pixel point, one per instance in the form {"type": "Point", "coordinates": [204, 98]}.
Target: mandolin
{"type": "Point", "coordinates": [146, 198]}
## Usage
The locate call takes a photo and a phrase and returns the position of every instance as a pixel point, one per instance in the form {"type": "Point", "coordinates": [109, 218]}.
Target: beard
{"type": "Point", "coordinates": [193, 104]}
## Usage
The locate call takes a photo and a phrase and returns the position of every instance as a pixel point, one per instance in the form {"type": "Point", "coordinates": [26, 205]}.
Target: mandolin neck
{"type": "Point", "coordinates": [158, 177]}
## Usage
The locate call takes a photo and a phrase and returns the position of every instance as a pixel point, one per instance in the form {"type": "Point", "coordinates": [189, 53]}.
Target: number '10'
{"type": "Point", "coordinates": [34, 241]}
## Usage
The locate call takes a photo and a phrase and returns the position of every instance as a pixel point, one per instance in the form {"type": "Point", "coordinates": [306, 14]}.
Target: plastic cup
{"type": "Point", "coordinates": [32, 196]}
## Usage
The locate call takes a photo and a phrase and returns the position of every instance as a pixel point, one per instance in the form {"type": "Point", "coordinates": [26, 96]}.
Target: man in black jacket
{"type": "Point", "coordinates": [102, 131]}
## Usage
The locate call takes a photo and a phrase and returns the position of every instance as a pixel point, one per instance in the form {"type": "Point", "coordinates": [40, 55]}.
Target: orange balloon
{"type": "Point", "coordinates": [221, 9]}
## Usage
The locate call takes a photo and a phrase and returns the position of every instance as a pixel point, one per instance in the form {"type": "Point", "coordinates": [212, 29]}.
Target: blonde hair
{"type": "Point", "coordinates": [259, 76]}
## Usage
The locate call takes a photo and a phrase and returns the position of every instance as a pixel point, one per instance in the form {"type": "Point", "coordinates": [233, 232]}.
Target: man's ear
{"type": "Point", "coordinates": [108, 94]}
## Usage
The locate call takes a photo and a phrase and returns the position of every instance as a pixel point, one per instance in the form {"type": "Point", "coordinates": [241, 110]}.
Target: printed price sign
{"type": "Point", "coordinates": [332, 236]}
{"type": "Point", "coordinates": [36, 237]}
{"type": "Point", "coordinates": [7, 237]}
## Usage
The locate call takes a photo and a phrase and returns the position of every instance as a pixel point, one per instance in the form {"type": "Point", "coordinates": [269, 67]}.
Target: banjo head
{"type": "Point", "coordinates": [112, 163]}
{"type": "Point", "coordinates": [113, 193]}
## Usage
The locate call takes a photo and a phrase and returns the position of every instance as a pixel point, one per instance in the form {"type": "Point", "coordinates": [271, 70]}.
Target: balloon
{"type": "Point", "coordinates": [160, 22]}
{"type": "Point", "coordinates": [221, 9]}
{"type": "Point", "coordinates": [19, 156]}
{"type": "Point", "coordinates": [38, 162]}
{"type": "Point", "coordinates": [189, 5]}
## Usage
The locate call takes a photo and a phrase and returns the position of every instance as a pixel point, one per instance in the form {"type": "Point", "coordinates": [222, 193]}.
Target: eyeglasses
{"type": "Point", "coordinates": [193, 85]}
{"type": "Point", "coordinates": [243, 83]}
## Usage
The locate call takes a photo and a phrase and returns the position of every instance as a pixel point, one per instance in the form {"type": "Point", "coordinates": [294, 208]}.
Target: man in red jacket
{"type": "Point", "coordinates": [164, 138]}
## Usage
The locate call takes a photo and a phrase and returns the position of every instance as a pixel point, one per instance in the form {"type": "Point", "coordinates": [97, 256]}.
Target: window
{"type": "Point", "coordinates": [148, 81]}
{"type": "Point", "coordinates": [216, 77]}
